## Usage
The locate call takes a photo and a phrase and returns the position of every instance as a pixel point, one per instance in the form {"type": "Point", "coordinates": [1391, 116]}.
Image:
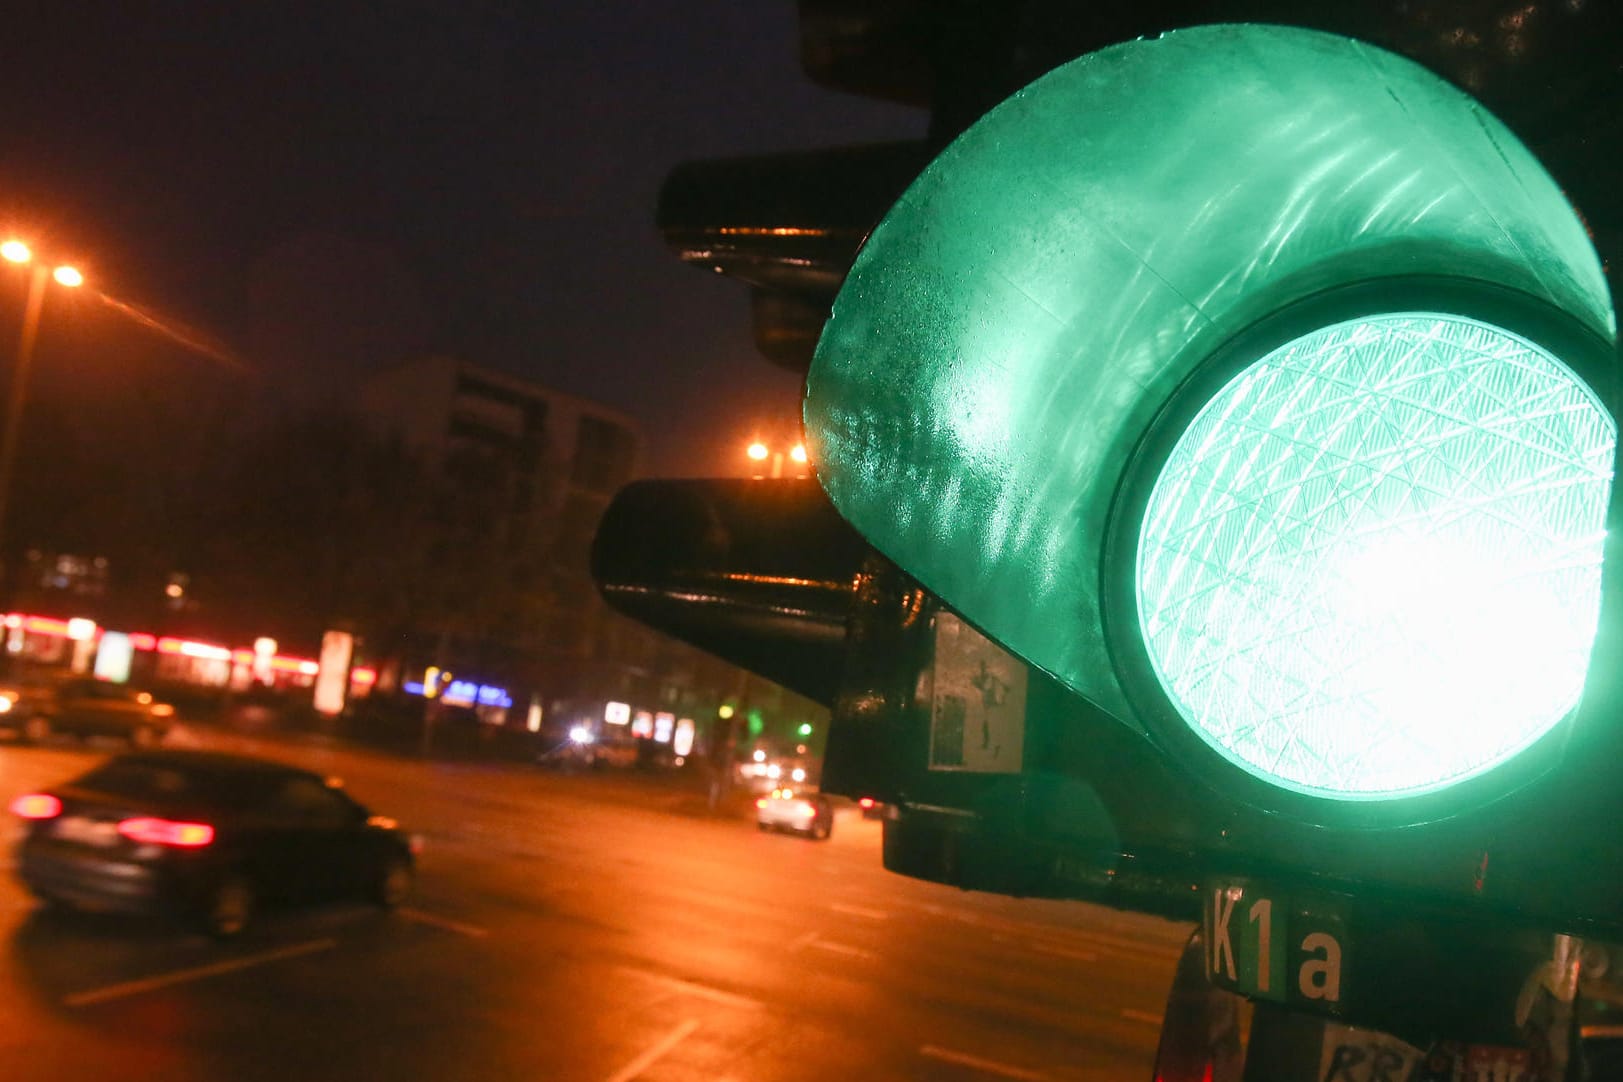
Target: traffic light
{"type": "Point", "coordinates": [1231, 415]}
{"type": "Point", "coordinates": [1246, 396]}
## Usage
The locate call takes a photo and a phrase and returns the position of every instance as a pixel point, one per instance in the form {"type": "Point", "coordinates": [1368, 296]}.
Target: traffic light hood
{"type": "Point", "coordinates": [1258, 385]}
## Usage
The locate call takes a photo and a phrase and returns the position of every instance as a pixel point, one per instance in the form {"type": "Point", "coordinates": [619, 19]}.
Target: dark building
{"type": "Point", "coordinates": [524, 472]}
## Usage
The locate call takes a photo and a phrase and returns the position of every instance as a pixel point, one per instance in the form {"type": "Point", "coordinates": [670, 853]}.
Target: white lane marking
{"type": "Point", "coordinates": [813, 940]}
{"type": "Point", "coordinates": [1146, 1017]}
{"type": "Point", "coordinates": [990, 1066]}
{"type": "Point", "coordinates": [693, 988]}
{"type": "Point", "coordinates": [654, 1054]}
{"type": "Point", "coordinates": [841, 948]}
{"type": "Point", "coordinates": [437, 921]}
{"type": "Point", "coordinates": [1036, 932]}
{"type": "Point", "coordinates": [1066, 952]}
{"type": "Point", "coordinates": [1053, 939]}
{"type": "Point", "coordinates": [859, 911]}
{"type": "Point", "coordinates": [197, 973]}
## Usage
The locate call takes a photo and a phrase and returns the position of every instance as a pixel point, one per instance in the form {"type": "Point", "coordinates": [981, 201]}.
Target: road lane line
{"type": "Point", "coordinates": [990, 1066]}
{"type": "Point", "coordinates": [803, 941]}
{"type": "Point", "coordinates": [1066, 952]}
{"type": "Point", "coordinates": [859, 911]}
{"type": "Point", "coordinates": [446, 923]}
{"type": "Point", "coordinates": [197, 973]}
{"type": "Point", "coordinates": [841, 948]}
{"type": "Point", "coordinates": [693, 988]}
{"type": "Point", "coordinates": [1141, 1016]}
{"type": "Point", "coordinates": [654, 1054]}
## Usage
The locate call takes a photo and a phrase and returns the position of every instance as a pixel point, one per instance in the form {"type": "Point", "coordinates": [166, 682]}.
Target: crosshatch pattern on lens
{"type": "Point", "coordinates": [1370, 567]}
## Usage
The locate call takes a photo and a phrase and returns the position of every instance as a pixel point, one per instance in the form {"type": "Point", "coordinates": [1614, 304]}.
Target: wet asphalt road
{"type": "Point", "coordinates": [592, 928]}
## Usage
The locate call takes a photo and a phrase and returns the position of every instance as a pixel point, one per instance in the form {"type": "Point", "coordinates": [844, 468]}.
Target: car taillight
{"type": "Point", "coordinates": [167, 832]}
{"type": "Point", "coordinates": [36, 806]}
{"type": "Point", "coordinates": [866, 802]}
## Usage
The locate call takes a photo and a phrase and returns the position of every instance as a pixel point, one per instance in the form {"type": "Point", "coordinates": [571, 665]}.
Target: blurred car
{"type": "Point", "coordinates": [85, 707]}
{"type": "Point", "coordinates": [762, 773]}
{"type": "Point", "coordinates": [208, 837]}
{"type": "Point", "coordinates": [810, 814]}
{"type": "Point", "coordinates": [871, 808]}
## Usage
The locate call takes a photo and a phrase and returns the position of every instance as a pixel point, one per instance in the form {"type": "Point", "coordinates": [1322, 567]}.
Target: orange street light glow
{"type": "Point", "coordinates": [798, 453]}
{"type": "Point", "coordinates": [16, 251]}
{"type": "Point", "coordinates": [757, 451]}
{"type": "Point", "coordinates": [68, 276]}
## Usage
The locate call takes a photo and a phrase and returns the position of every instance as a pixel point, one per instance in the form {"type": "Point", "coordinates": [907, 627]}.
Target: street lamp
{"type": "Point", "coordinates": [15, 251]}
{"type": "Point", "coordinates": [760, 452]}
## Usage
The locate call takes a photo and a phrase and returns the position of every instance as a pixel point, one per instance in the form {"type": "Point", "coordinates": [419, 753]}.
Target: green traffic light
{"type": "Point", "coordinates": [1370, 567]}
{"type": "Point", "coordinates": [1094, 251]}
{"type": "Point", "coordinates": [805, 728]}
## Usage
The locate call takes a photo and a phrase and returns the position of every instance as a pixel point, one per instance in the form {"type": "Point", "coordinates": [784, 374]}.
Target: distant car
{"type": "Point", "coordinates": [810, 814]}
{"type": "Point", "coordinates": [871, 808]}
{"type": "Point", "coordinates": [86, 708]}
{"type": "Point", "coordinates": [208, 837]}
{"type": "Point", "coordinates": [763, 773]}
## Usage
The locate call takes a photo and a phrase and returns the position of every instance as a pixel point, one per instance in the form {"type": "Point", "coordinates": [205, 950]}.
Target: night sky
{"type": "Point", "coordinates": [333, 187]}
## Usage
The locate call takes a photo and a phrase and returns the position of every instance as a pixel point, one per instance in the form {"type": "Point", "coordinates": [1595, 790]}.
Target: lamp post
{"type": "Point", "coordinates": [16, 251]}
{"type": "Point", "coordinates": [760, 452]}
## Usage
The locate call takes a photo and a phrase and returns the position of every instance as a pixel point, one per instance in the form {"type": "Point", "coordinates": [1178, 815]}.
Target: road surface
{"type": "Point", "coordinates": [583, 928]}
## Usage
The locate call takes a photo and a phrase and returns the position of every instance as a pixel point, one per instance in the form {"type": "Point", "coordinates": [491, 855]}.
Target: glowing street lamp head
{"type": "Point", "coordinates": [798, 453]}
{"type": "Point", "coordinates": [757, 451]}
{"type": "Point", "coordinates": [16, 251]}
{"type": "Point", "coordinates": [68, 276]}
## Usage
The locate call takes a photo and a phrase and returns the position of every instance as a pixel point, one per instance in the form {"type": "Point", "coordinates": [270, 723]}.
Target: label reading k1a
{"type": "Point", "coordinates": [1266, 946]}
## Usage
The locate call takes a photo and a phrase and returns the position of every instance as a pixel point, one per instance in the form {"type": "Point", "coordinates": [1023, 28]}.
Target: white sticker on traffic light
{"type": "Point", "coordinates": [977, 702]}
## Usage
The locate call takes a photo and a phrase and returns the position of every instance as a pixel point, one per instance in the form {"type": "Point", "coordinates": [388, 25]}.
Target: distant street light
{"type": "Point", "coordinates": [760, 452]}
{"type": "Point", "coordinates": [16, 251]}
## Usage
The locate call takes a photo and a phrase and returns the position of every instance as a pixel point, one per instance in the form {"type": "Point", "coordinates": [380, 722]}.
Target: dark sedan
{"type": "Point", "coordinates": [208, 837]}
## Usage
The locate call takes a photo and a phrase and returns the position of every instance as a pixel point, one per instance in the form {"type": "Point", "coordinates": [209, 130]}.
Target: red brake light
{"type": "Point", "coordinates": [167, 832]}
{"type": "Point", "coordinates": [36, 806]}
{"type": "Point", "coordinates": [866, 802]}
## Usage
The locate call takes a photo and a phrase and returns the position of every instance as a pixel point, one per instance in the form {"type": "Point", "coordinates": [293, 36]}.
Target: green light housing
{"type": "Point", "coordinates": [1257, 384]}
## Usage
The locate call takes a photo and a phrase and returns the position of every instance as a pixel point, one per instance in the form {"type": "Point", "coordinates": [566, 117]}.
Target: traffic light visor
{"type": "Point", "coordinates": [1370, 567]}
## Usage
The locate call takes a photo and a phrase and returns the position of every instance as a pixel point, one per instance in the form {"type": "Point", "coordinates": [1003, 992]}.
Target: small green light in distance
{"type": "Point", "coordinates": [1370, 568]}
{"type": "Point", "coordinates": [805, 728]}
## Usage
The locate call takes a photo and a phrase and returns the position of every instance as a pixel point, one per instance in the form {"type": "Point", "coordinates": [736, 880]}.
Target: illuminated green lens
{"type": "Point", "coordinates": [1371, 566]}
